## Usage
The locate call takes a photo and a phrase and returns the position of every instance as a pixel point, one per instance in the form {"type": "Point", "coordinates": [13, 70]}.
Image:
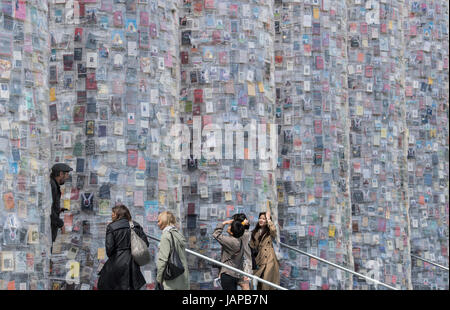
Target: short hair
{"type": "Point", "coordinates": [241, 217]}
{"type": "Point", "coordinates": [167, 218]}
{"type": "Point", "coordinates": [122, 212]}
{"type": "Point", "coordinates": [237, 228]}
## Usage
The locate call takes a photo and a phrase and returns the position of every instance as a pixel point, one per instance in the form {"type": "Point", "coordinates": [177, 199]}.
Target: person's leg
{"type": "Point", "coordinates": [228, 282]}
{"type": "Point", "coordinates": [245, 286]}
{"type": "Point", "coordinates": [244, 283]}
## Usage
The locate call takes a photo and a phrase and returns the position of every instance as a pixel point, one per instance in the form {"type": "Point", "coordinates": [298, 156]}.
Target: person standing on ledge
{"type": "Point", "coordinates": [59, 175]}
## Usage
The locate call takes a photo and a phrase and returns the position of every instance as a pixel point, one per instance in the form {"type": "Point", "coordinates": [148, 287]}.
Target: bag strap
{"type": "Point", "coordinates": [173, 241]}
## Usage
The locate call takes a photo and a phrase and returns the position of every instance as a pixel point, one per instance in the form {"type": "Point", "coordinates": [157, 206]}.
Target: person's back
{"type": "Point", "coordinates": [179, 243]}
{"type": "Point", "coordinates": [121, 272]}
{"type": "Point", "coordinates": [232, 252]}
{"type": "Point", "coordinates": [167, 222]}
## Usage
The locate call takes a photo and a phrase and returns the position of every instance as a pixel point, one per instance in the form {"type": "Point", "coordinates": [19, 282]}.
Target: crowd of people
{"type": "Point", "coordinates": [251, 252]}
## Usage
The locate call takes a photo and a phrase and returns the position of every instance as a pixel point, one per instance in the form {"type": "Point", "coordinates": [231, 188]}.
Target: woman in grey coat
{"type": "Point", "coordinates": [167, 222]}
{"type": "Point", "coordinates": [233, 251]}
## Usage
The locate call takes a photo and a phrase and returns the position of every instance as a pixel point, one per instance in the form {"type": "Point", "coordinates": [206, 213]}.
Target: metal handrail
{"type": "Point", "coordinates": [337, 266]}
{"type": "Point", "coordinates": [228, 267]}
{"type": "Point", "coordinates": [430, 262]}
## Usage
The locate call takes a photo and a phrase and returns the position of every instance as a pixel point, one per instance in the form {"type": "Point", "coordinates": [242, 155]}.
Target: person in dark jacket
{"type": "Point", "coordinates": [59, 175]}
{"type": "Point", "coordinates": [121, 272]}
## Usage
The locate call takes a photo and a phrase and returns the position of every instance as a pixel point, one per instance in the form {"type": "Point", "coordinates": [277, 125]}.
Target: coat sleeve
{"type": "Point", "coordinates": [163, 256]}
{"type": "Point", "coordinates": [225, 241]}
{"type": "Point", "coordinates": [247, 252]}
{"type": "Point", "coordinates": [272, 229]}
{"type": "Point", "coordinates": [55, 199]}
{"type": "Point", "coordinates": [110, 244]}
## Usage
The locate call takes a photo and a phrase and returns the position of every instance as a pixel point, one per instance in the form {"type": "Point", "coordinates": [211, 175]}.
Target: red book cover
{"type": "Point", "coordinates": [117, 19]}
{"type": "Point", "coordinates": [191, 208]}
{"type": "Point", "coordinates": [198, 96]}
{"type": "Point", "coordinates": [184, 57]}
{"type": "Point", "coordinates": [91, 82]}
{"type": "Point", "coordinates": [143, 19]}
{"type": "Point", "coordinates": [319, 62]}
{"type": "Point", "coordinates": [132, 158]}
{"type": "Point", "coordinates": [78, 34]}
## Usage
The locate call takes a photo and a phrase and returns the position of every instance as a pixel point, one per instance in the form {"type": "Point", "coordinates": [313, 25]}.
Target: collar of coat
{"type": "Point", "coordinates": [122, 223]}
{"type": "Point", "coordinates": [167, 228]}
{"type": "Point", "coordinates": [53, 182]}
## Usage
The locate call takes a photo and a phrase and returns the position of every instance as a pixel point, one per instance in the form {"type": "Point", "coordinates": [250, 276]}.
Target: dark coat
{"type": "Point", "coordinates": [55, 221]}
{"type": "Point", "coordinates": [121, 272]}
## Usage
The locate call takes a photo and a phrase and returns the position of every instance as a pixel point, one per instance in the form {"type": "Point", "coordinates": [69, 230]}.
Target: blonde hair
{"type": "Point", "coordinates": [167, 218]}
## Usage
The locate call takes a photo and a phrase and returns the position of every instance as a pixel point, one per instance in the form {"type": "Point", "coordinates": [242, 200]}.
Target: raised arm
{"type": "Point", "coordinates": [225, 241]}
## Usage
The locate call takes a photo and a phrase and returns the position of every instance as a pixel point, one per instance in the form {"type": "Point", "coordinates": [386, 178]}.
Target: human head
{"type": "Point", "coordinates": [241, 217]}
{"type": "Point", "coordinates": [236, 229]}
{"type": "Point", "coordinates": [60, 172]}
{"type": "Point", "coordinates": [165, 219]}
{"type": "Point", "coordinates": [262, 220]}
{"type": "Point", "coordinates": [120, 211]}
{"type": "Point", "coordinates": [262, 224]}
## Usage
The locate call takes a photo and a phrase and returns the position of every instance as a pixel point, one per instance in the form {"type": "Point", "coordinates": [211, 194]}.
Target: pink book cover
{"type": "Point", "coordinates": [21, 9]}
{"type": "Point", "coordinates": [132, 158]}
{"type": "Point", "coordinates": [143, 20]}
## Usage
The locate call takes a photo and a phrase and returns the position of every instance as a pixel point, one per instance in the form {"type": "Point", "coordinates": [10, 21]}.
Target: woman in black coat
{"type": "Point", "coordinates": [121, 272]}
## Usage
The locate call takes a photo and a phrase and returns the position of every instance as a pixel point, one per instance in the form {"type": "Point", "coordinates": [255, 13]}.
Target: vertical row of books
{"type": "Point", "coordinates": [375, 92]}
{"type": "Point", "coordinates": [311, 114]}
{"type": "Point", "coordinates": [112, 100]}
{"type": "Point", "coordinates": [24, 145]}
{"type": "Point", "coordinates": [425, 29]}
{"type": "Point", "coordinates": [227, 103]}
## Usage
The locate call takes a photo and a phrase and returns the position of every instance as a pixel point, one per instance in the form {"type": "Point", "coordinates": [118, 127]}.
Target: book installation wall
{"type": "Point", "coordinates": [350, 99]}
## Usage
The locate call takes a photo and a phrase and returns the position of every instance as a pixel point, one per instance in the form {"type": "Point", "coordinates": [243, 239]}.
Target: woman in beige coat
{"type": "Point", "coordinates": [266, 259]}
{"type": "Point", "coordinates": [167, 222]}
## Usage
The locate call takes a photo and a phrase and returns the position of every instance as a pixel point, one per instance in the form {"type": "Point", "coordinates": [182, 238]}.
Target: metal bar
{"type": "Point", "coordinates": [430, 262]}
{"type": "Point", "coordinates": [228, 267]}
{"type": "Point", "coordinates": [337, 266]}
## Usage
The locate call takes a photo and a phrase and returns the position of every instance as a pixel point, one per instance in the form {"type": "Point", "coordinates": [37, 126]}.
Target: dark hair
{"type": "Point", "coordinates": [122, 212]}
{"type": "Point", "coordinates": [237, 228]}
{"type": "Point", "coordinates": [265, 229]}
{"type": "Point", "coordinates": [55, 173]}
{"type": "Point", "coordinates": [241, 217]}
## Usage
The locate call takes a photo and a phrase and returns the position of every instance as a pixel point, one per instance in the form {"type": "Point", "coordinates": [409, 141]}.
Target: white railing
{"type": "Point", "coordinates": [337, 266]}
{"type": "Point", "coordinates": [255, 278]}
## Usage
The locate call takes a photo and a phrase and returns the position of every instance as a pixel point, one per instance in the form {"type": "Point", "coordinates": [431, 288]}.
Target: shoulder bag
{"type": "Point", "coordinates": [139, 250]}
{"type": "Point", "coordinates": [174, 267]}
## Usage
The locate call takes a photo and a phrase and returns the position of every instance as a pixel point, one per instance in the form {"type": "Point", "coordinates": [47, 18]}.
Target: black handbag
{"type": "Point", "coordinates": [174, 266]}
{"type": "Point", "coordinates": [254, 254]}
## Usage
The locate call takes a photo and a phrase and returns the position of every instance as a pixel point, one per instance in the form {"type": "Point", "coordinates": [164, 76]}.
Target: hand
{"type": "Point", "coordinates": [268, 215]}
{"type": "Point", "coordinates": [227, 222]}
{"type": "Point", "coordinates": [245, 222]}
